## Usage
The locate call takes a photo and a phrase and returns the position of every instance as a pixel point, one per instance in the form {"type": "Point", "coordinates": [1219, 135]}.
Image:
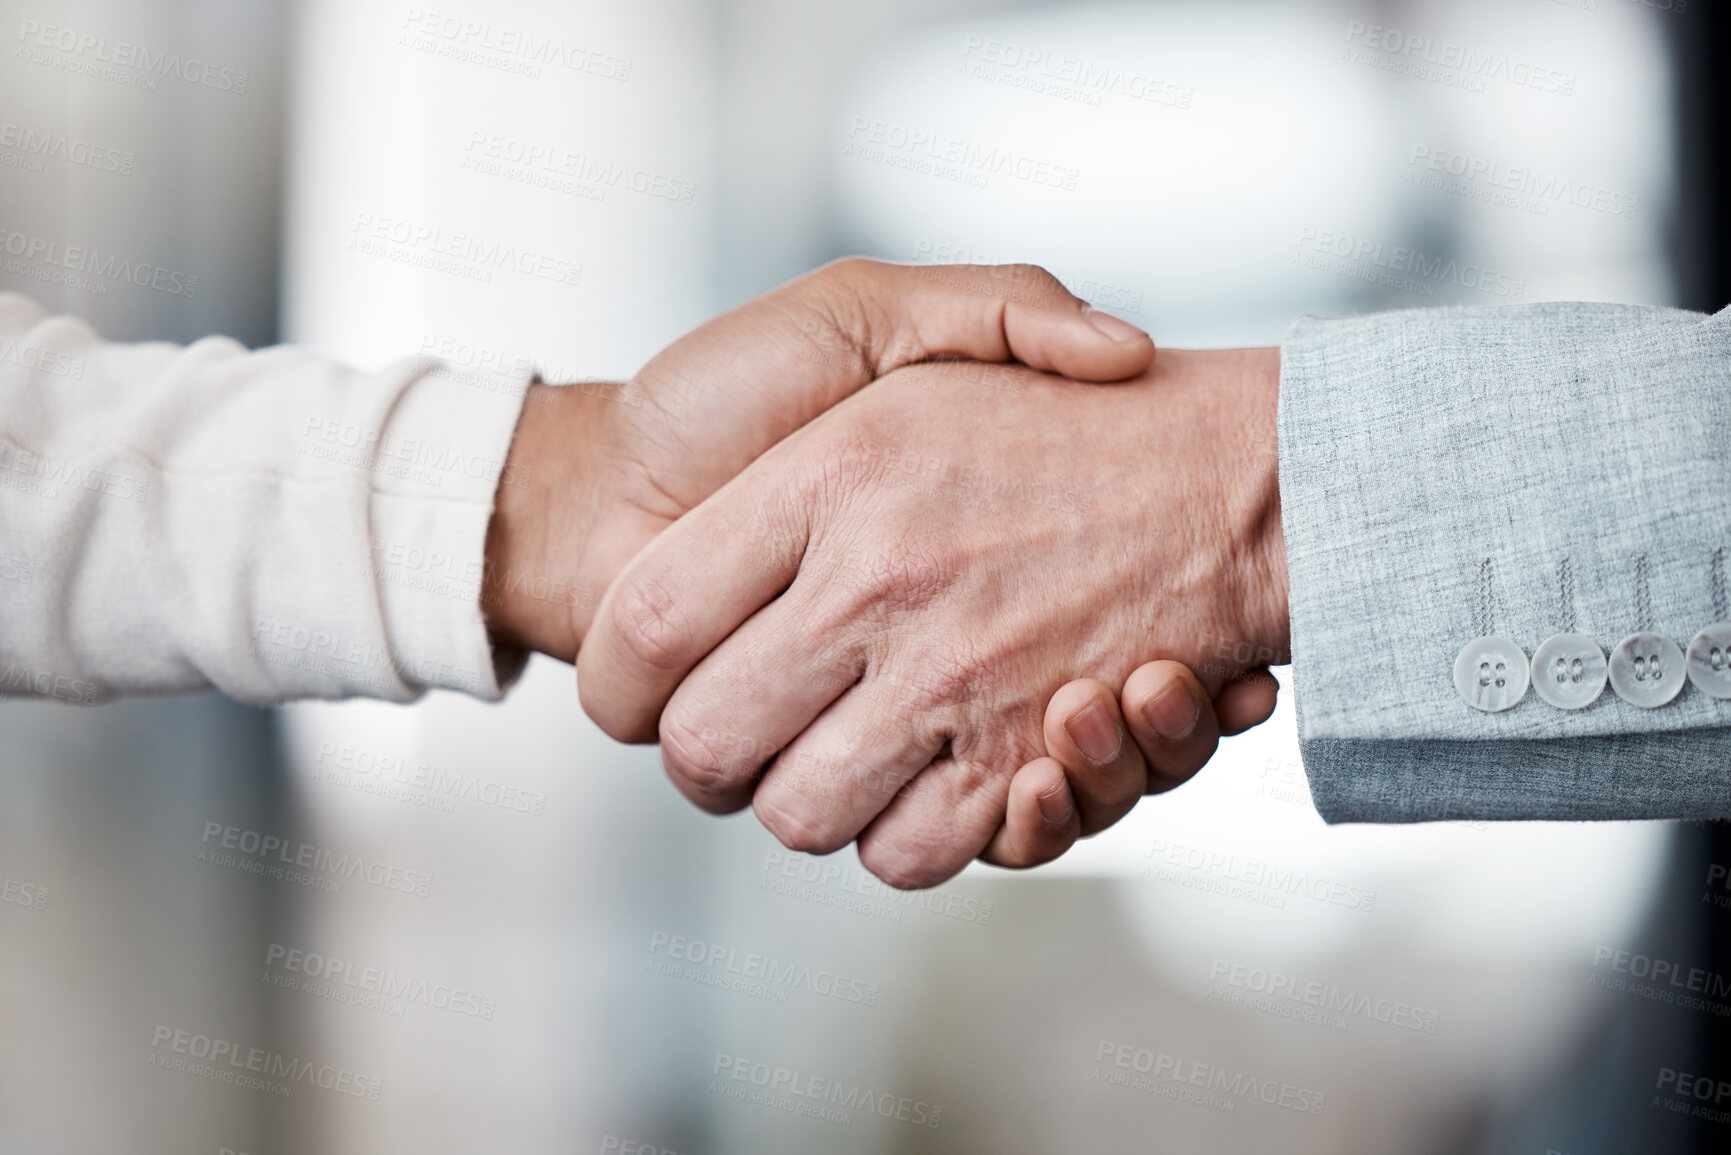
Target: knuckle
{"type": "Point", "coordinates": [866, 300]}
{"type": "Point", "coordinates": [621, 721]}
{"type": "Point", "coordinates": [1035, 277]}
{"type": "Point", "coordinates": [788, 815]}
{"type": "Point", "coordinates": [713, 761]}
{"type": "Point", "coordinates": [650, 625]}
{"type": "Point", "coordinates": [851, 269]}
{"type": "Point", "coordinates": [1020, 856]}
{"type": "Point", "coordinates": [902, 867]}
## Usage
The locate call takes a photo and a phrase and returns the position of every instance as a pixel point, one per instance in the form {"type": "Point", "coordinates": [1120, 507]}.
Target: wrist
{"type": "Point", "coordinates": [1268, 620]}
{"type": "Point", "coordinates": [533, 592]}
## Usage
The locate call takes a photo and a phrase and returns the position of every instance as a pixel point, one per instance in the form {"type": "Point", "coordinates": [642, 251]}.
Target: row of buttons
{"type": "Point", "coordinates": [1570, 670]}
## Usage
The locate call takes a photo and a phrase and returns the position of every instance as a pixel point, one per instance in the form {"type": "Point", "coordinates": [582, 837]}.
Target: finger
{"type": "Point", "coordinates": [998, 313]}
{"type": "Point", "coordinates": [728, 390]}
{"type": "Point", "coordinates": [1041, 821]}
{"type": "Point", "coordinates": [1247, 702]}
{"type": "Point", "coordinates": [939, 822]}
{"type": "Point", "coordinates": [842, 771]}
{"type": "Point", "coordinates": [1172, 719]}
{"type": "Point", "coordinates": [761, 686]}
{"type": "Point", "coordinates": [1085, 734]}
{"type": "Point", "coordinates": [678, 598]}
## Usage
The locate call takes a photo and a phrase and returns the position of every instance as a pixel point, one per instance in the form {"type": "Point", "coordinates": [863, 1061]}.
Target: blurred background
{"type": "Point", "coordinates": [594, 966]}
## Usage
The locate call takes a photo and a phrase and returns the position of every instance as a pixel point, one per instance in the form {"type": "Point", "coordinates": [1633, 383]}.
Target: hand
{"type": "Point", "coordinates": [1070, 794]}
{"type": "Point", "coordinates": [609, 467]}
{"type": "Point", "coordinates": [872, 617]}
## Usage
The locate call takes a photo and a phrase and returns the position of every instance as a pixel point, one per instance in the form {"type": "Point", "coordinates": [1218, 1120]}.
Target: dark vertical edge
{"type": "Point", "coordinates": [1699, 237]}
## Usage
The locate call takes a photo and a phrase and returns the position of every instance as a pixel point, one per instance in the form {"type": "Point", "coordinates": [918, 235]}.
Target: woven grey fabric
{"type": "Point", "coordinates": [1413, 446]}
{"type": "Point", "coordinates": [1686, 774]}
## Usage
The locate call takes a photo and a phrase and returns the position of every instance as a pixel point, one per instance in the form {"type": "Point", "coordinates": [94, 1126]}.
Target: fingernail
{"type": "Point", "coordinates": [1114, 328]}
{"type": "Point", "coordinates": [1055, 805]}
{"type": "Point", "coordinates": [1173, 712]}
{"type": "Point", "coordinates": [1095, 733]}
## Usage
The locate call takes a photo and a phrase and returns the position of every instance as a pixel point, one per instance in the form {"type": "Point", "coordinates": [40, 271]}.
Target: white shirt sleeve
{"type": "Point", "coordinates": [268, 524]}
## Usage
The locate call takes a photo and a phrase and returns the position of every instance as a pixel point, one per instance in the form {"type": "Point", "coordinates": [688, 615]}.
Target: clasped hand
{"type": "Point", "coordinates": [873, 580]}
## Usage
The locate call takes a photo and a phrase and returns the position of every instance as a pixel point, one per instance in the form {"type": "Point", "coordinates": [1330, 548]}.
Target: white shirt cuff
{"type": "Point", "coordinates": [439, 465]}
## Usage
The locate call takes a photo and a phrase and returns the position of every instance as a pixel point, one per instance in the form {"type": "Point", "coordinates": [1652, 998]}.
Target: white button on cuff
{"type": "Point", "coordinates": [1569, 671]}
{"type": "Point", "coordinates": [1491, 674]}
{"type": "Point", "coordinates": [1710, 660]}
{"type": "Point", "coordinates": [1647, 670]}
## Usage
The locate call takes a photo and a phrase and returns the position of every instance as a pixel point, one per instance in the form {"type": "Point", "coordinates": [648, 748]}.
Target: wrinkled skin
{"type": "Point", "coordinates": [860, 634]}
{"type": "Point", "coordinates": [607, 467]}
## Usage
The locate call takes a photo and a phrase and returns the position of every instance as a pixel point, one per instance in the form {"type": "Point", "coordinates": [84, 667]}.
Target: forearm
{"type": "Point", "coordinates": [267, 524]}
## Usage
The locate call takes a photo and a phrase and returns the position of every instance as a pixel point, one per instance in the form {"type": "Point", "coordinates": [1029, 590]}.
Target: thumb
{"type": "Point", "coordinates": [727, 391]}
{"type": "Point", "coordinates": [998, 313]}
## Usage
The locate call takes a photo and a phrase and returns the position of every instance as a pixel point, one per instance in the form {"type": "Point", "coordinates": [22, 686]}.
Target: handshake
{"type": "Point", "coordinates": [935, 558]}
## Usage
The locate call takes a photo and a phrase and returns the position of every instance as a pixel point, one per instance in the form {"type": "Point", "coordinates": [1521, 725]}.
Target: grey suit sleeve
{"type": "Point", "coordinates": [1436, 469]}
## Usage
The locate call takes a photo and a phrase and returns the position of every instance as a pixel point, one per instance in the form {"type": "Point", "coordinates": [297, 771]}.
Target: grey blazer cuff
{"type": "Point", "coordinates": [1438, 467]}
{"type": "Point", "coordinates": [1681, 775]}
